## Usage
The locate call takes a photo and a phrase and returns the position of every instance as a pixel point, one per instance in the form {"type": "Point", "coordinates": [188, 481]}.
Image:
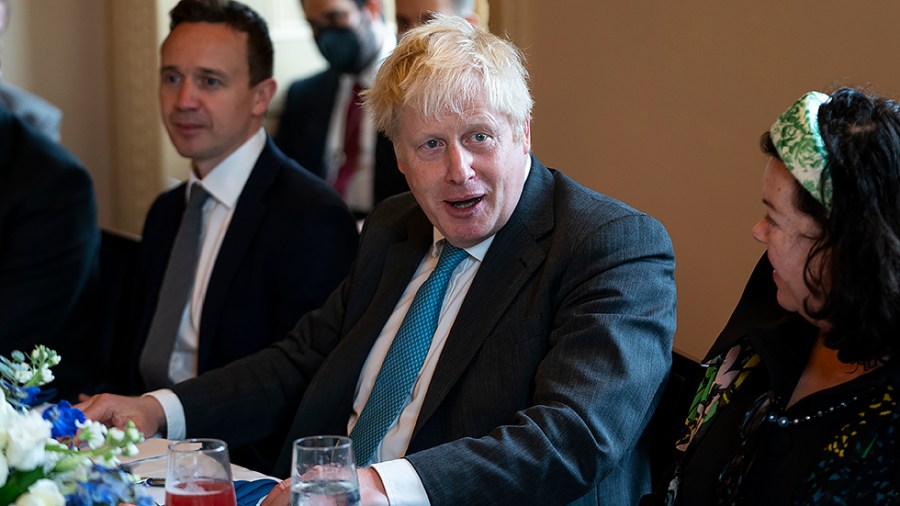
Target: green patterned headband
{"type": "Point", "coordinates": [799, 143]}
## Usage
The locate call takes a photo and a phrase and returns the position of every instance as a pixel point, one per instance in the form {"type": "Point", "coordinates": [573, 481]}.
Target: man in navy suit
{"type": "Point", "coordinates": [554, 335]}
{"type": "Point", "coordinates": [276, 239]}
{"type": "Point", "coordinates": [317, 127]}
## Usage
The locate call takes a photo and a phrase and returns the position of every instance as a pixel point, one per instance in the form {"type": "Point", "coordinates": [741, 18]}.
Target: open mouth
{"type": "Point", "coordinates": [465, 204]}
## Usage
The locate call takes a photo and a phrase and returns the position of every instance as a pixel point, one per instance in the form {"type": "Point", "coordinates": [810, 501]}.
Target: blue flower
{"type": "Point", "coordinates": [63, 417]}
{"type": "Point", "coordinates": [106, 486]}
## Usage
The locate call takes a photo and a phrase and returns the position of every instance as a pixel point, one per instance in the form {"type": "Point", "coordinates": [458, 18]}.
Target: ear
{"type": "Point", "coordinates": [374, 8]}
{"type": "Point", "coordinates": [400, 163]}
{"type": "Point", "coordinates": [526, 135]}
{"type": "Point", "coordinates": [263, 92]}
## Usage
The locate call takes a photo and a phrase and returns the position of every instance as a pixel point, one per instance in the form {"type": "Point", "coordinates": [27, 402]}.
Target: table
{"type": "Point", "coordinates": [150, 462]}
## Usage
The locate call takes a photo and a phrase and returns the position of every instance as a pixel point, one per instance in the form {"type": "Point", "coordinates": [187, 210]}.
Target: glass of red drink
{"type": "Point", "coordinates": [199, 474]}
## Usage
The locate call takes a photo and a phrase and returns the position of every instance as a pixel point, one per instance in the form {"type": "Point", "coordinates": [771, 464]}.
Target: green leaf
{"type": "Point", "coordinates": [18, 484]}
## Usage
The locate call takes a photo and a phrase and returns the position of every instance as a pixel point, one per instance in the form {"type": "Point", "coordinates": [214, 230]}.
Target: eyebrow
{"type": "Point", "coordinates": [201, 70]}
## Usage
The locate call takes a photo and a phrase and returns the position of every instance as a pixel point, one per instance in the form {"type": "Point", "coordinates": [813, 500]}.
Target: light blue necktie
{"type": "Point", "coordinates": [404, 358]}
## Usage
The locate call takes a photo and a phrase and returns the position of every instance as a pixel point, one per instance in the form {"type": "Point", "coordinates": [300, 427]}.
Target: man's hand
{"type": "Point", "coordinates": [371, 488]}
{"type": "Point", "coordinates": [280, 494]}
{"type": "Point", "coordinates": [115, 411]}
{"type": "Point", "coordinates": [371, 491]}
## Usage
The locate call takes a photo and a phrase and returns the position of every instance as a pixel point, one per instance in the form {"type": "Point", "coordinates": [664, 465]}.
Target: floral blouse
{"type": "Point", "coordinates": [850, 451]}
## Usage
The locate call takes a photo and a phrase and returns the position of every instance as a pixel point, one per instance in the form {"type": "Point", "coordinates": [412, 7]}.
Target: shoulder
{"type": "Point", "coordinates": [31, 159]}
{"type": "Point", "coordinates": [32, 108]}
{"type": "Point", "coordinates": [394, 217]}
{"type": "Point", "coordinates": [312, 85]}
{"type": "Point", "coordinates": [586, 215]}
{"type": "Point", "coordinates": [289, 179]}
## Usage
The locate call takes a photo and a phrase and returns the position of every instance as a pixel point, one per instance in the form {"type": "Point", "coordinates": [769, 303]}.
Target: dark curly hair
{"type": "Point", "coordinates": [260, 52]}
{"type": "Point", "coordinates": [860, 240]}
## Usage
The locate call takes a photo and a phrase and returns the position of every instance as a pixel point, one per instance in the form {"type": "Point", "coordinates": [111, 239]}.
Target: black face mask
{"type": "Point", "coordinates": [345, 51]}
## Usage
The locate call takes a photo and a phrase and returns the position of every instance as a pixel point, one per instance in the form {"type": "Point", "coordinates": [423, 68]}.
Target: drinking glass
{"type": "Point", "coordinates": [199, 474]}
{"type": "Point", "coordinates": [324, 472]}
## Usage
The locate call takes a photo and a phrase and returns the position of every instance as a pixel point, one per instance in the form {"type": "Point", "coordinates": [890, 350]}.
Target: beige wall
{"type": "Point", "coordinates": [661, 104]}
{"type": "Point", "coordinates": [657, 103]}
{"type": "Point", "coordinates": [58, 50]}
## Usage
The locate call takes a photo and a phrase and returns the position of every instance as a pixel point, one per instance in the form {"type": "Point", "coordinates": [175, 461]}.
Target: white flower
{"type": "Point", "coordinates": [42, 493]}
{"type": "Point", "coordinates": [23, 375]}
{"type": "Point", "coordinates": [130, 450]}
{"type": "Point", "coordinates": [133, 434]}
{"type": "Point", "coordinates": [46, 374]}
{"type": "Point", "coordinates": [28, 434]}
{"type": "Point", "coordinates": [93, 433]}
{"type": "Point", "coordinates": [116, 435]}
{"type": "Point", "coordinates": [7, 414]}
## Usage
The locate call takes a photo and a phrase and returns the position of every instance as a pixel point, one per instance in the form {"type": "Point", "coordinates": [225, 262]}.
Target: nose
{"type": "Point", "coordinates": [760, 231]}
{"type": "Point", "coordinates": [185, 96]}
{"type": "Point", "coordinates": [459, 165]}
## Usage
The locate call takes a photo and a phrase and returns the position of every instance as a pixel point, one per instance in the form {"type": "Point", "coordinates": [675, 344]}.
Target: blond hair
{"type": "Point", "coordinates": [445, 65]}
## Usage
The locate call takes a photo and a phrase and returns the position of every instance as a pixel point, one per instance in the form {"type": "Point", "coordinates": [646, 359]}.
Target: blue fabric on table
{"type": "Point", "coordinates": [248, 493]}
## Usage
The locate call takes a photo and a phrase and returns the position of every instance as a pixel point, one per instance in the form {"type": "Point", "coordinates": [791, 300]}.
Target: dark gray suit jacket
{"type": "Point", "coordinates": [549, 375]}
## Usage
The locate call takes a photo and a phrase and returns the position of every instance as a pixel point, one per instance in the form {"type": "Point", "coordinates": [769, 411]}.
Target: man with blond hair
{"type": "Point", "coordinates": [505, 333]}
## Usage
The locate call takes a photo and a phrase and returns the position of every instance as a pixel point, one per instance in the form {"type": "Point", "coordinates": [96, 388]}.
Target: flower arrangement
{"type": "Point", "coordinates": [57, 457]}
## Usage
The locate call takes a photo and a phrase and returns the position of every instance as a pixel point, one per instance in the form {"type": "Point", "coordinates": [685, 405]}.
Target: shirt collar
{"type": "Point", "coordinates": [226, 181]}
{"type": "Point", "coordinates": [477, 251]}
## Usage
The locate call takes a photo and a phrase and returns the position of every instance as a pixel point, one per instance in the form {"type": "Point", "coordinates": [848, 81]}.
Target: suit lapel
{"type": "Point", "coordinates": [334, 384]}
{"type": "Point", "coordinates": [249, 212]}
{"type": "Point", "coordinates": [401, 260]}
{"type": "Point", "coordinates": [512, 259]}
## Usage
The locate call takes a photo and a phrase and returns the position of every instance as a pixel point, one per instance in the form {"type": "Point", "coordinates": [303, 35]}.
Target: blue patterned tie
{"type": "Point", "coordinates": [404, 358]}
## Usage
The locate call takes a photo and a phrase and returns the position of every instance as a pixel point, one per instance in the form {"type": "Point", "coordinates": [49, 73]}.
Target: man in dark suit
{"type": "Point", "coordinates": [555, 330]}
{"type": "Point", "coordinates": [275, 239]}
{"type": "Point", "coordinates": [49, 246]}
{"type": "Point", "coordinates": [317, 127]}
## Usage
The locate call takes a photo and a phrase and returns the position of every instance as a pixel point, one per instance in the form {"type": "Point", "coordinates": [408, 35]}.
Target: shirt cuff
{"type": "Point", "coordinates": [174, 410]}
{"type": "Point", "coordinates": [402, 483]}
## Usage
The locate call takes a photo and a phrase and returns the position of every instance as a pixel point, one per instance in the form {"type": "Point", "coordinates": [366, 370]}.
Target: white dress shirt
{"type": "Point", "coordinates": [359, 192]}
{"type": "Point", "coordinates": [224, 184]}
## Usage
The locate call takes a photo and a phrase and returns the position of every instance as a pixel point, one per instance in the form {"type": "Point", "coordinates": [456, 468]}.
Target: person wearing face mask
{"type": "Point", "coordinates": [322, 125]}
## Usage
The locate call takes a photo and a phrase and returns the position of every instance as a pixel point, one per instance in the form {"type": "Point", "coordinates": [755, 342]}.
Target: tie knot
{"type": "Point", "coordinates": [198, 196]}
{"type": "Point", "coordinates": [451, 256]}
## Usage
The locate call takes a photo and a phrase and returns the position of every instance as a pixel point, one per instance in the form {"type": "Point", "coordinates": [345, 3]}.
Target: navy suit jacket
{"type": "Point", "coordinates": [550, 373]}
{"type": "Point", "coordinates": [49, 252]}
{"type": "Point", "coordinates": [303, 130]}
{"type": "Point", "coordinates": [291, 240]}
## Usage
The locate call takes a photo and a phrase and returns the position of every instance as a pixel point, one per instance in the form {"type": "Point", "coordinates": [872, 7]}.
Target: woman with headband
{"type": "Point", "coordinates": [804, 410]}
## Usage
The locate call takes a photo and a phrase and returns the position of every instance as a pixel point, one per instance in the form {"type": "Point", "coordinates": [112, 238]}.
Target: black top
{"type": "Point", "coordinates": [845, 455]}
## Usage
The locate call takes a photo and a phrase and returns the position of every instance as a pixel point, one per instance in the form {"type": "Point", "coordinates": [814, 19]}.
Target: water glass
{"type": "Point", "coordinates": [324, 472]}
{"type": "Point", "coordinates": [199, 474]}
